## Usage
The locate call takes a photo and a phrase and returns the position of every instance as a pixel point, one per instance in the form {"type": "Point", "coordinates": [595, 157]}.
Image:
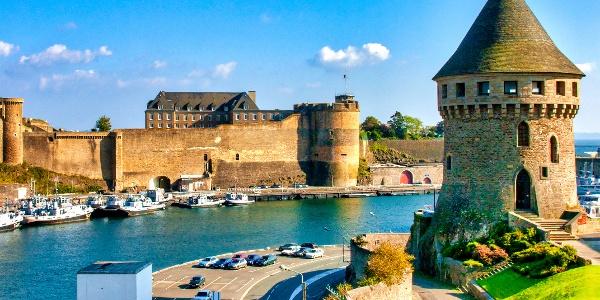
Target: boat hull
{"type": "Point", "coordinates": [33, 221]}
{"type": "Point", "coordinates": [9, 227]}
{"type": "Point", "coordinates": [122, 213]}
{"type": "Point", "coordinates": [238, 203]}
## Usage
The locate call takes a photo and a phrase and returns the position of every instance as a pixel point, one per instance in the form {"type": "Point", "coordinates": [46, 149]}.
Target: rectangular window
{"type": "Point", "coordinates": [192, 118]}
{"type": "Point", "coordinates": [560, 88]}
{"type": "Point", "coordinates": [151, 125]}
{"type": "Point", "coordinates": [150, 117]}
{"type": "Point", "coordinates": [176, 117]}
{"type": "Point", "coordinates": [544, 172]}
{"type": "Point", "coordinates": [460, 90]}
{"type": "Point", "coordinates": [209, 118]}
{"type": "Point", "coordinates": [245, 116]}
{"type": "Point", "coordinates": [185, 117]}
{"type": "Point", "coordinates": [575, 91]}
{"type": "Point", "coordinates": [168, 117]}
{"type": "Point", "coordinates": [264, 117]}
{"type": "Point", "coordinates": [537, 87]}
{"type": "Point", "coordinates": [510, 87]}
{"type": "Point", "coordinates": [444, 91]}
{"type": "Point", "coordinates": [159, 125]}
{"type": "Point", "coordinates": [483, 88]}
{"type": "Point", "coordinates": [159, 117]}
{"type": "Point", "coordinates": [254, 117]}
{"type": "Point", "coordinates": [237, 116]}
{"type": "Point", "coordinates": [169, 125]}
{"type": "Point", "coordinates": [176, 125]}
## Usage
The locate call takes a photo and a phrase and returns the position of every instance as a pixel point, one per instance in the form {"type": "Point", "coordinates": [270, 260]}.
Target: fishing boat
{"type": "Point", "coordinates": [237, 199]}
{"type": "Point", "coordinates": [34, 204]}
{"type": "Point", "coordinates": [201, 201]}
{"type": "Point", "coordinates": [58, 211]}
{"type": "Point", "coordinates": [10, 221]}
{"type": "Point", "coordinates": [136, 205]}
{"type": "Point", "coordinates": [587, 181]}
{"type": "Point", "coordinates": [96, 201]}
{"type": "Point", "coordinates": [111, 209]}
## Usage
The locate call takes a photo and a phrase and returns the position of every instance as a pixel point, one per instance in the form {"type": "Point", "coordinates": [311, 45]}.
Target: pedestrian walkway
{"type": "Point", "coordinates": [428, 288]}
{"type": "Point", "coordinates": [588, 246]}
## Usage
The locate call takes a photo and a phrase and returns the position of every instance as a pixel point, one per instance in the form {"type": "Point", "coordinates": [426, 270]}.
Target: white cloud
{"type": "Point", "coordinates": [159, 64]}
{"type": "Point", "coordinates": [57, 81]}
{"type": "Point", "coordinates": [224, 70]}
{"type": "Point", "coordinates": [352, 56]}
{"type": "Point", "coordinates": [60, 53]}
{"type": "Point", "coordinates": [7, 49]}
{"type": "Point", "coordinates": [587, 67]}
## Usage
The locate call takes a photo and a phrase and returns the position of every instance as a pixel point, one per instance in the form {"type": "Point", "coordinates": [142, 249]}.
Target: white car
{"type": "Point", "coordinates": [289, 251]}
{"type": "Point", "coordinates": [314, 253]}
{"type": "Point", "coordinates": [207, 295]}
{"type": "Point", "coordinates": [207, 262]}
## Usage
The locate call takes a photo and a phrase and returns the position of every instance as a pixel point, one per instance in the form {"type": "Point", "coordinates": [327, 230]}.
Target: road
{"type": "Point", "coordinates": [254, 282]}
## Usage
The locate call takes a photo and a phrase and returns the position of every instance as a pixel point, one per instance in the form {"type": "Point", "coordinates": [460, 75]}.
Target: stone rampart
{"type": "Point", "coordinates": [421, 150]}
{"type": "Point", "coordinates": [391, 175]}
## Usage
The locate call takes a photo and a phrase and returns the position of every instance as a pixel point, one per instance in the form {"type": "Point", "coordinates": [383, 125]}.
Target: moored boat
{"type": "Point", "coordinates": [10, 221]}
{"type": "Point", "coordinates": [136, 205]}
{"type": "Point", "coordinates": [237, 199]}
{"type": "Point", "coordinates": [58, 211]}
{"type": "Point", "coordinates": [96, 201]}
{"type": "Point", "coordinates": [201, 201]}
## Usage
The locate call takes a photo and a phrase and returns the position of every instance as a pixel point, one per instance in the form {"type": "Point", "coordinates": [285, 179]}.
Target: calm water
{"type": "Point", "coordinates": [582, 146]}
{"type": "Point", "coordinates": [42, 262]}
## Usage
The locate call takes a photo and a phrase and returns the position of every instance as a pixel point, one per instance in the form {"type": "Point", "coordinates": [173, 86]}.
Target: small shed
{"type": "Point", "coordinates": [124, 280]}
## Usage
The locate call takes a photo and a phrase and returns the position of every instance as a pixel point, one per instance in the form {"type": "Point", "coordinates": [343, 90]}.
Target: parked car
{"type": "Point", "coordinates": [309, 245]}
{"type": "Point", "coordinates": [221, 263]}
{"type": "Point", "coordinates": [240, 256]}
{"type": "Point", "coordinates": [236, 264]}
{"type": "Point", "coordinates": [207, 295]}
{"type": "Point", "coordinates": [286, 246]}
{"type": "Point", "coordinates": [289, 251]}
{"type": "Point", "coordinates": [301, 252]}
{"type": "Point", "coordinates": [196, 281]}
{"type": "Point", "coordinates": [207, 262]}
{"type": "Point", "coordinates": [267, 260]}
{"type": "Point", "coordinates": [314, 253]}
{"type": "Point", "coordinates": [252, 259]}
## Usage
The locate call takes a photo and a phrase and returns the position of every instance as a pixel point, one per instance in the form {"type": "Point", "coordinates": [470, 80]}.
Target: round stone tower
{"type": "Point", "coordinates": [12, 134]}
{"type": "Point", "coordinates": [508, 97]}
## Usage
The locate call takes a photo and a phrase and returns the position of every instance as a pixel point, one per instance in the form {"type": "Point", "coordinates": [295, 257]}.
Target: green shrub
{"type": "Point", "coordinates": [544, 259]}
{"type": "Point", "coordinates": [489, 255]}
{"type": "Point", "coordinates": [518, 240]}
{"type": "Point", "coordinates": [472, 264]}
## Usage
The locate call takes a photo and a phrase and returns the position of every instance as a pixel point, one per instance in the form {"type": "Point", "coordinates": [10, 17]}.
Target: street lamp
{"type": "Point", "coordinates": [343, 244]}
{"type": "Point", "coordinates": [286, 268]}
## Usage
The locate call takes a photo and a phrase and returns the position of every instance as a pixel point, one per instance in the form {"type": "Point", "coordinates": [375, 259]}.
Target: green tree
{"type": "Point", "coordinates": [406, 127]}
{"type": "Point", "coordinates": [103, 123]}
{"type": "Point", "coordinates": [388, 264]}
{"type": "Point", "coordinates": [440, 129]}
{"type": "Point", "coordinates": [372, 126]}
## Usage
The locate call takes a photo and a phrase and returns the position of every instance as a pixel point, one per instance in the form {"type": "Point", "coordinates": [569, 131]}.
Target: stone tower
{"type": "Point", "coordinates": [12, 132]}
{"type": "Point", "coordinates": [330, 132]}
{"type": "Point", "coordinates": [508, 97]}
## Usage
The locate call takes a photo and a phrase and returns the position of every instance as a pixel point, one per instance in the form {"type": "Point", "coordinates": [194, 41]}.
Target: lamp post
{"type": "Point", "coordinates": [343, 244]}
{"type": "Point", "coordinates": [286, 268]}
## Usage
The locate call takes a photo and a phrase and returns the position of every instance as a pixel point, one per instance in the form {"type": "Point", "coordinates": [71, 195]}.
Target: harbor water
{"type": "Point", "coordinates": [42, 262]}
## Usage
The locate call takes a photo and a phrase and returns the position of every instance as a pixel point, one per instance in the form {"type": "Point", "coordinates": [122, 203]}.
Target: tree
{"type": "Point", "coordinates": [406, 127]}
{"type": "Point", "coordinates": [103, 123]}
{"type": "Point", "coordinates": [388, 264]}
{"type": "Point", "coordinates": [398, 125]}
{"type": "Point", "coordinates": [372, 126]}
{"type": "Point", "coordinates": [440, 129]}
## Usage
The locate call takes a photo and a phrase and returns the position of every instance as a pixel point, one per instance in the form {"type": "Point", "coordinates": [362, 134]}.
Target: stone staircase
{"type": "Point", "coordinates": [556, 227]}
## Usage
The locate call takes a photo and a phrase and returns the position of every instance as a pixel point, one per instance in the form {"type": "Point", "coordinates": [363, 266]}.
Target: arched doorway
{"type": "Point", "coordinates": [162, 182]}
{"type": "Point", "coordinates": [523, 191]}
{"type": "Point", "coordinates": [406, 177]}
{"type": "Point", "coordinates": [426, 180]}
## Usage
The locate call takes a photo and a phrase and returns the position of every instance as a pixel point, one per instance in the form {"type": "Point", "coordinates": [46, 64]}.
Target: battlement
{"type": "Point", "coordinates": [351, 106]}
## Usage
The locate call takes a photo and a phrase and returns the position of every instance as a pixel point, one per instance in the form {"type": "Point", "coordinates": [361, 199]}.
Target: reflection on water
{"type": "Point", "coordinates": [42, 262]}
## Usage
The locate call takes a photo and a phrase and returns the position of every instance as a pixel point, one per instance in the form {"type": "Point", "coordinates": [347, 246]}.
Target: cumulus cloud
{"type": "Point", "coordinates": [587, 67]}
{"type": "Point", "coordinates": [224, 70]}
{"type": "Point", "coordinates": [59, 53]}
{"type": "Point", "coordinates": [352, 56]}
{"type": "Point", "coordinates": [159, 64]}
{"type": "Point", "coordinates": [57, 81]}
{"type": "Point", "coordinates": [7, 49]}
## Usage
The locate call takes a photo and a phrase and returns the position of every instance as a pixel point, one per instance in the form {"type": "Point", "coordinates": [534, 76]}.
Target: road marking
{"type": "Point", "coordinates": [213, 281]}
{"type": "Point", "coordinates": [313, 279]}
{"type": "Point", "coordinates": [241, 287]}
{"type": "Point", "coordinates": [174, 283]}
{"type": "Point", "coordinates": [232, 280]}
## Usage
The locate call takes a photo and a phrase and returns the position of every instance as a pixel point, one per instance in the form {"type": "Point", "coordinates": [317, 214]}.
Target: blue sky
{"type": "Point", "coordinates": [75, 60]}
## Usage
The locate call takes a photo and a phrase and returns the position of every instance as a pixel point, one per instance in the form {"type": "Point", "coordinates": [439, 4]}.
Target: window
{"type": "Point", "coordinates": [226, 108]}
{"type": "Point", "coordinates": [560, 88]}
{"type": "Point", "coordinates": [159, 125]}
{"type": "Point", "coordinates": [237, 116]}
{"type": "Point", "coordinates": [510, 87]}
{"type": "Point", "coordinates": [159, 117]}
{"type": "Point", "coordinates": [575, 92]}
{"type": "Point", "coordinates": [176, 117]}
{"type": "Point", "coordinates": [199, 117]}
{"type": "Point", "coordinates": [205, 157]}
{"type": "Point", "coordinates": [151, 125]}
{"type": "Point", "coordinates": [150, 117]}
{"type": "Point", "coordinates": [544, 172]}
{"type": "Point", "coordinates": [271, 116]}
{"type": "Point", "coordinates": [553, 150]}
{"type": "Point", "coordinates": [168, 125]}
{"type": "Point", "coordinates": [192, 118]}
{"type": "Point", "coordinates": [176, 107]}
{"type": "Point", "coordinates": [168, 117]}
{"type": "Point", "coordinates": [448, 162]}
{"type": "Point", "coordinates": [483, 88]}
{"type": "Point", "coordinates": [523, 135]}
{"type": "Point", "coordinates": [460, 90]}
{"type": "Point", "coordinates": [237, 156]}
{"type": "Point", "coordinates": [245, 116]}
{"type": "Point", "coordinates": [254, 117]}
{"type": "Point", "coordinates": [537, 87]}
{"type": "Point", "coordinates": [209, 118]}
{"type": "Point", "coordinates": [185, 117]}
{"type": "Point", "coordinates": [263, 116]}
{"type": "Point", "coordinates": [444, 91]}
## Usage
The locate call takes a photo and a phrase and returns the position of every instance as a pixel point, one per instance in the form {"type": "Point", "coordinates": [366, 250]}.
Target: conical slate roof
{"type": "Point", "coordinates": [507, 38]}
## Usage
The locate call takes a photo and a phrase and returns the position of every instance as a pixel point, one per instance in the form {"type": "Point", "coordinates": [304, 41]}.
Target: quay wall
{"type": "Point", "coordinates": [390, 175]}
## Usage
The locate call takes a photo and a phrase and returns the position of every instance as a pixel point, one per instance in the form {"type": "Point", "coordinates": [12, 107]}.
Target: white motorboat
{"type": "Point", "coordinates": [237, 199]}
{"type": "Point", "coordinates": [136, 205]}
{"type": "Point", "coordinates": [201, 201]}
{"type": "Point", "coordinates": [114, 202]}
{"type": "Point", "coordinates": [10, 221]}
{"type": "Point", "coordinates": [34, 204]}
{"type": "Point", "coordinates": [96, 201]}
{"type": "Point", "coordinates": [58, 211]}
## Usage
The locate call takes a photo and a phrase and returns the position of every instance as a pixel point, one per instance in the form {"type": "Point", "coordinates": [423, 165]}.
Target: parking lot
{"type": "Point", "coordinates": [247, 283]}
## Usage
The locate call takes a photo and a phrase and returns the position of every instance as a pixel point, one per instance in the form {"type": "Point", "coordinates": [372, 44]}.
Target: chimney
{"type": "Point", "coordinates": [252, 95]}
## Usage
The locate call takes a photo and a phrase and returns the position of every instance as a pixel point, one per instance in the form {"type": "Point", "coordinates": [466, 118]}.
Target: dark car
{"type": "Point", "coordinates": [309, 245]}
{"type": "Point", "coordinates": [301, 252]}
{"type": "Point", "coordinates": [196, 281]}
{"type": "Point", "coordinates": [286, 246]}
{"type": "Point", "coordinates": [221, 263]}
{"type": "Point", "coordinates": [267, 260]}
{"type": "Point", "coordinates": [240, 256]}
{"type": "Point", "coordinates": [252, 259]}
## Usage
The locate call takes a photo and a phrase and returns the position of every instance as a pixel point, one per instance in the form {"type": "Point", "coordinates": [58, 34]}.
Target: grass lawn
{"type": "Point", "coordinates": [506, 284]}
{"type": "Point", "coordinates": [579, 283]}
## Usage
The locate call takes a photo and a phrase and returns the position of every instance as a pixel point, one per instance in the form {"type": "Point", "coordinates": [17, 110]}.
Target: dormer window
{"type": "Point", "coordinates": [226, 108]}
{"type": "Point", "coordinates": [460, 90]}
{"type": "Point", "coordinates": [511, 87]}
{"type": "Point", "coordinates": [537, 87]}
{"type": "Point", "coordinates": [483, 88]}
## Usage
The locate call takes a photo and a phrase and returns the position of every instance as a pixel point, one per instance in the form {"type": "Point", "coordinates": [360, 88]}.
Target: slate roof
{"type": "Point", "coordinates": [202, 101]}
{"type": "Point", "coordinates": [507, 38]}
{"type": "Point", "coordinates": [115, 267]}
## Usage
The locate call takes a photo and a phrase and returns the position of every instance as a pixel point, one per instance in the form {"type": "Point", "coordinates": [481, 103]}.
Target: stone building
{"type": "Point", "coordinates": [315, 143]}
{"type": "Point", "coordinates": [206, 109]}
{"type": "Point", "coordinates": [508, 97]}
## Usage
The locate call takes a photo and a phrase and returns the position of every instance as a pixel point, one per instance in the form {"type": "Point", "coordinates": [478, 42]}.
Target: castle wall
{"type": "Point", "coordinates": [12, 130]}
{"type": "Point", "coordinates": [389, 175]}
